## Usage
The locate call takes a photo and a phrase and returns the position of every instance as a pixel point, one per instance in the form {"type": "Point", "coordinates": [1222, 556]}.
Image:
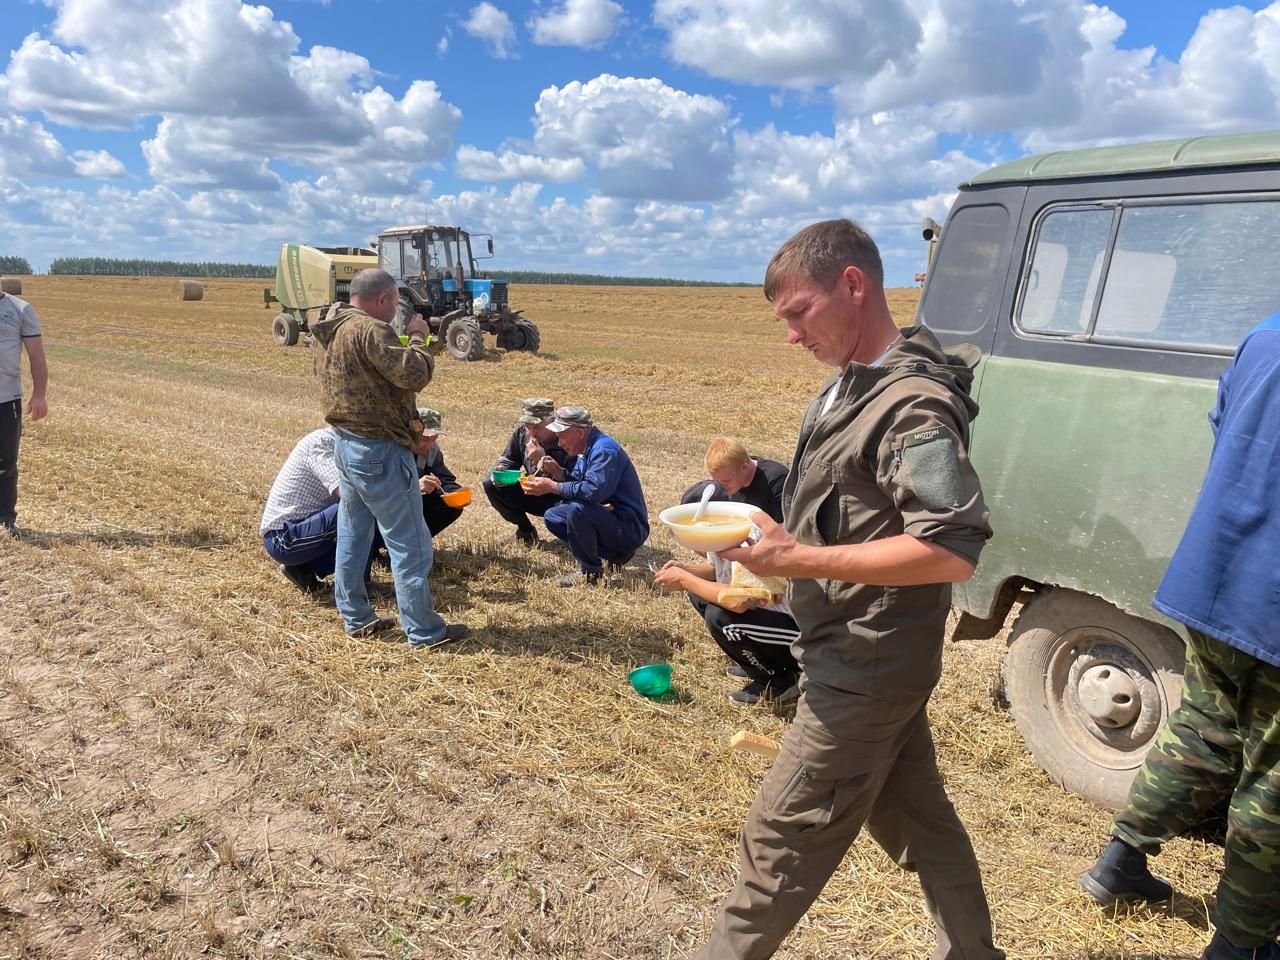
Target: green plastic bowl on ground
{"type": "Point", "coordinates": [651, 680]}
{"type": "Point", "coordinates": [504, 478]}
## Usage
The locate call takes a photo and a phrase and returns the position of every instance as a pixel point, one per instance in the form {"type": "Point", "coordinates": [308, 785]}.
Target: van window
{"type": "Point", "coordinates": [1062, 281]}
{"type": "Point", "coordinates": [1192, 273]}
{"type": "Point", "coordinates": [970, 267]}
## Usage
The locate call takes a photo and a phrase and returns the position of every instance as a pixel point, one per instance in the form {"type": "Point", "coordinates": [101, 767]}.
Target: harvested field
{"type": "Point", "coordinates": [195, 761]}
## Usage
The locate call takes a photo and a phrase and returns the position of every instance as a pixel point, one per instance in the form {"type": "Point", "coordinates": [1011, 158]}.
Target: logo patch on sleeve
{"type": "Point", "coordinates": [924, 436]}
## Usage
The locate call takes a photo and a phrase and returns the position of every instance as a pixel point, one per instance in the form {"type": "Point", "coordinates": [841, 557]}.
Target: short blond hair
{"type": "Point", "coordinates": [726, 454]}
{"type": "Point", "coordinates": [820, 252]}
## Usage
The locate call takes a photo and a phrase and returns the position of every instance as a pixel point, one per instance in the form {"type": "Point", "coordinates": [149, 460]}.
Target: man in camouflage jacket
{"type": "Point", "coordinates": [1224, 738]}
{"type": "Point", "coordinates": [370, 381]}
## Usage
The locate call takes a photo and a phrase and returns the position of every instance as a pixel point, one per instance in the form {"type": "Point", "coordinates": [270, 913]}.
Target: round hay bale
{"type": "Point", "coordinates": [192, 290]}
{"type": "Point", "coordinates": [11, 285]}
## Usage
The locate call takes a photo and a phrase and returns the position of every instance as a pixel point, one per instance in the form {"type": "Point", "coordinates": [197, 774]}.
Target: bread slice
{"type": "Point", "coordinates": [732, 594]}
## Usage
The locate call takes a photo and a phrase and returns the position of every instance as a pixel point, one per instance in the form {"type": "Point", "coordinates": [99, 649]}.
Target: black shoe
{"type": "Point", "coordinates": [1121, 873]}
{"type": "Point", "coordinates": [753, 692]}
{"type": "Point", "coordinates": [617, 563]}
{"type": "Point", "coordinates": [452, 631]}
{"type": "Point", "coordinates": [587, 578]}
{"type": "Point", "coordinates": [788, 689]}
{"type": "Point", "coordinates": [301, 577]}
{"type": "Point", "coordinates": [733, 670]}
{"type": "Point", "coordinates": [374, 627]}
{"type": "Point", "coordinates": [528, 537]}
{"type": "Point", "coordinates": [1220, 948]}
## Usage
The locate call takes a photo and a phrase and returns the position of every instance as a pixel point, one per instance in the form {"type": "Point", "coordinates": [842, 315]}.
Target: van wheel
{"type": "Point", "coordinates": [1089, 688]}
{"type": "Point", "coordinates": [463, 339]}
{"type": "Point", "coordinates": [284, 329]}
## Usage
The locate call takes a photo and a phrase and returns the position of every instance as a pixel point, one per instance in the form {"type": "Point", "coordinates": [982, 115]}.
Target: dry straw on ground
{"type": "Point", "coordinates": [196, 762]}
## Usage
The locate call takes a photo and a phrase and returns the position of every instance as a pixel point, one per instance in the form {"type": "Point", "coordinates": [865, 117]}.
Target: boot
{"type": "Point", "coordinates": [1220, 948]}
{"type": "Point", "coordinates": [1121, 874]}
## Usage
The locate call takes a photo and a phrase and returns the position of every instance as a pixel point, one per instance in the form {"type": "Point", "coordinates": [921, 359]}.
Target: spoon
{"type": "Point", "coordinates": [707, 491]}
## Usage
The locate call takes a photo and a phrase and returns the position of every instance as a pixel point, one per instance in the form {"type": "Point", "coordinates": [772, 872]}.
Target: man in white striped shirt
{"type": "Point", "coordinates": [300, 523]}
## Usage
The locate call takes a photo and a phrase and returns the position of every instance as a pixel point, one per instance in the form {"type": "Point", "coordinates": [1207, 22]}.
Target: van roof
{"type": "Point", "coordinates": [1229, 150]}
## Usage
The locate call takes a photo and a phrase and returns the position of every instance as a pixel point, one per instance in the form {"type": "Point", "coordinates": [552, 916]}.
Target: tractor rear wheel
{"type": "Point", "coordinates": [464, 340]}
{"type": "Point", "coordinates": [284, 329]}
{"type": "Point", "coordinates": [532, 339]}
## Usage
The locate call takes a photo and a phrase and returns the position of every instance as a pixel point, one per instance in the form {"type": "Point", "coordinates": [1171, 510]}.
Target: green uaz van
{"type": "Point", "coordinates": [1108, 289]}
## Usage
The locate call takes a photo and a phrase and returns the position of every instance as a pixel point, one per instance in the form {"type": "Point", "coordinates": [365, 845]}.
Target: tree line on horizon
{"type": "Point", "coordinates": [137, 267]}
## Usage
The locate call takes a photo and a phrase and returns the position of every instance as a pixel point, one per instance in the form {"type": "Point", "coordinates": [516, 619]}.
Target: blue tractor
{"type": "Point", "coordinates": [438, 278]}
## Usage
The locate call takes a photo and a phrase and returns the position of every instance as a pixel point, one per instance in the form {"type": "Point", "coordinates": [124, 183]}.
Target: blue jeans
{"type": "Point", "coordinates": [593, 533]}
{"type": "Point", "coordinates": [378, 487]}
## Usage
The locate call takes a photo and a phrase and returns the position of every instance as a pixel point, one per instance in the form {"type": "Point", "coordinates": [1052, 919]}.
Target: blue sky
{"type": "Point", "coordinates": [675, 137]}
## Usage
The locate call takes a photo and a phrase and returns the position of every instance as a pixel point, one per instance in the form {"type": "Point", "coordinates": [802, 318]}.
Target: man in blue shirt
{"type": "Point", "coordinates": [603, 517]}
{"type": "Point", "coordinates": [1224, 739]}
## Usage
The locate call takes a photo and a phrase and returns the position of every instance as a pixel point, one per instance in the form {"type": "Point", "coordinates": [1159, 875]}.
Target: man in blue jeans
{"type": "Point", "coordinates": [603, 517]}
{"type": "Point", "coordinates": [370, 380]}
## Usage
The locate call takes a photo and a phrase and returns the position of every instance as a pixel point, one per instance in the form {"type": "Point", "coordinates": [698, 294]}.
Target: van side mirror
{"type": "Point", "coordinates": [490, 242]}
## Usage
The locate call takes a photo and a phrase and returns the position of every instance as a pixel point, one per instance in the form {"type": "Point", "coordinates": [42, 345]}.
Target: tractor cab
{"type": "Point", "coordinates": [437, 269]}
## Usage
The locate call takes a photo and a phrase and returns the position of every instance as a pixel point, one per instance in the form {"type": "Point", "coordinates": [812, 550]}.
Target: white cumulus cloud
{"type": "Point", "coordinates": [28, 149]}
{"type": "Point", "coordinates": [476, 164]}
{"type": "Point", "coordinates": [796, 43]}
{"type": "Point", "coordinates": [644, 139]}
{"type": "Point", "coordinates": [577, 23]}
{"type": "Point", "coordinates": [494, 27]}
{"type": "Point", "coordinates": [230, 90]}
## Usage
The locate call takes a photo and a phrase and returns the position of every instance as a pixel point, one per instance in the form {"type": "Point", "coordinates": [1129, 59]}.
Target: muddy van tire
{"type": "Point", "coordinates": [1090, 687]}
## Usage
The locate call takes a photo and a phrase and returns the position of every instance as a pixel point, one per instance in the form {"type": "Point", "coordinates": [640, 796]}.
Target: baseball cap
{"type": "Point", "coordinates": [537, 410]}
{"type": "Point", "coordinates": [567, 417]}
{"type": "Point", "coordinates": [430, 421]}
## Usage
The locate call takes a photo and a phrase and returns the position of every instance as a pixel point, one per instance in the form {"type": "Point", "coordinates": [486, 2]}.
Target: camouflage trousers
{"type": "Point", "coordinates": [1223, 740]}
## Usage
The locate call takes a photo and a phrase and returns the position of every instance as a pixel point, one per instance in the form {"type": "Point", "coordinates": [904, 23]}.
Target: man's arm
{"type": "Point", "coordinates": [513, 454]}
{"type": "Point", "coordinates": [901, 561]}
{"type": "Point", "coordinates": [448, 482]}
{"type": "Point", "coordinates": [409, 368]}
{"type": "Point", "coordinates": [39, 405]}
{"type": "Point", "coordinates": [599, 480]}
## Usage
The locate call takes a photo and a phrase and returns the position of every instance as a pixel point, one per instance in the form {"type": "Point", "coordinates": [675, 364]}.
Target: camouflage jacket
{"type": "Point", "coordinates": [369, 380]}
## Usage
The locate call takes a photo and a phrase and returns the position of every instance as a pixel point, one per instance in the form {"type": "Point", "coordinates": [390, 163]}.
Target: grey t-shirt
{"type": "Point", "coordinates": [17, 320]}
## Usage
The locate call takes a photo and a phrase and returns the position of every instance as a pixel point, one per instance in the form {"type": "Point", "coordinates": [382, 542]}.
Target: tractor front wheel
{"type": "Point", "coordinates": [532, 339]}
{"type": "Point", "coordinates": [464, 340]}
{"type": "Point", "coordinates": [284, 329]}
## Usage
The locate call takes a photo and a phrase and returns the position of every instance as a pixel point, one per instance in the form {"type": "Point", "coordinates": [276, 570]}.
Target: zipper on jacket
{"type": "Point", "coordinates": [896, 463]}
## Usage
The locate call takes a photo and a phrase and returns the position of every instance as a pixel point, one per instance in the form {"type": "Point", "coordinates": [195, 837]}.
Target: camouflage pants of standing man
{"type": "Point", "coordinates": [1223, 739]}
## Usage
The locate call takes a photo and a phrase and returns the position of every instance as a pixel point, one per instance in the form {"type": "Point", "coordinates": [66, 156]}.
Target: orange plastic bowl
{"type": "Point", "coordinates": [459, 498]}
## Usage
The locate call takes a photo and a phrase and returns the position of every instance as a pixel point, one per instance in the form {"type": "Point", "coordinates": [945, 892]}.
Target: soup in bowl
{"type": "Point", "coordinates": [722, 525]}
